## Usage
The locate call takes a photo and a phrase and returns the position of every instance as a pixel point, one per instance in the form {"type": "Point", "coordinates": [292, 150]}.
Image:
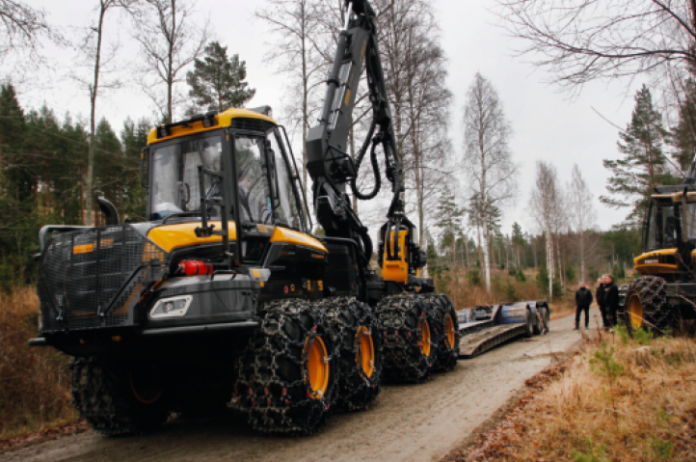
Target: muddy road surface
{"type": "Point", "coordinates": [406, 423]}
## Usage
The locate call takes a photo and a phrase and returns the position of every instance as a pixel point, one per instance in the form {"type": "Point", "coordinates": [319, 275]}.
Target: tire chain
{"type": "Point", "coordinates": [346, 315]}
{"type": "Point", "coordinates": [398, 317]}
{"type": "Point", "coordinates": [446, 356]}
{"type": "Point", "coordinates": [102, 395]}
{"type": "Point", "coordinates": [273, 385]}
{"type": "Point", "coordinates": [653, 296]}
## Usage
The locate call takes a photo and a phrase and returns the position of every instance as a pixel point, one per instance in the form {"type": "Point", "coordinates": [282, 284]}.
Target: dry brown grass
{"type": "Point", "coordinates": [34, 382]}
{"type": "Point", "coordinates": [621, 400]}
{"type": "Point", "coordinates": [465, 295]}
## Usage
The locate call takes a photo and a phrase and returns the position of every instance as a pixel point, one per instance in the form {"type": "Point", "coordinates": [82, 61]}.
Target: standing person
{"type": "Point", "coordinates": [583, 300]}
{"type": "Point", "coordinates": [599, 296]}
{"type": "Point", "coordinates": [611, 300]}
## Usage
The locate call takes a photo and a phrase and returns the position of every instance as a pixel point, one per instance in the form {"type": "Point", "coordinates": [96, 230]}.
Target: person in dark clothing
{"type": "Point", "coordinates": [611, 300]}
{"type": "Point", "coordinates": [599, 296]}
{"type": "Point", "coordinates": [583, 299]}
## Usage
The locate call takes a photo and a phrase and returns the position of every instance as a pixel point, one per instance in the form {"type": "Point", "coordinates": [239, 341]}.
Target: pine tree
{"type": "Point", "coordinates": [643, 164]}
{"type": "Point", "coordinates": [450, 221]}
{"type": "Point", "coordinates": [133, 140]}
{"type": "Point", "coordinates": [217, 82]}
{"type": "Point", "coordinates": [684, 135]}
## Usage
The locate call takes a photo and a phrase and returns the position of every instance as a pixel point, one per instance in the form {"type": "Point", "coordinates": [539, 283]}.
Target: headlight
{"type": "Point", "coordinates": [173, 307]}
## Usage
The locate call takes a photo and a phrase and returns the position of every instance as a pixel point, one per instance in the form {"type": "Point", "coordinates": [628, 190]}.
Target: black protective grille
{"type": "Point", "coordinates": [256, 125]}
{"type": "Point", "coordinates": [89, 279]}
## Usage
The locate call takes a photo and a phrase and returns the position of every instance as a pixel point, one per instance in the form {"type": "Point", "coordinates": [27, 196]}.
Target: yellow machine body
{"type": "Point", "coordinates": [396, 270]}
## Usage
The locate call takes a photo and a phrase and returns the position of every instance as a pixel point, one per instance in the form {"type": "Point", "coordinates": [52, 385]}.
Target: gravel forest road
{"type": "Point", "coordinates": [406, 423]}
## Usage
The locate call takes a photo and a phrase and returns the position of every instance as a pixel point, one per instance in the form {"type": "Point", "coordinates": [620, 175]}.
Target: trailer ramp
{"type": "Point", "coordinates": [484, 339]}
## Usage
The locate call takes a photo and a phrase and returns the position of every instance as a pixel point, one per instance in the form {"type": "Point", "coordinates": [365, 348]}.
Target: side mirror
{"type": "Point", "coordinates": [144, 155]}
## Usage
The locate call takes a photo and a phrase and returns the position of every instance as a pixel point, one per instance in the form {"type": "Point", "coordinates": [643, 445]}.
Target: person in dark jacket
{"type": "Point", "coordinates": [599, 296]}
{"type": "Point", "coordinates": [583, 299]}
{"type": "Point", "coordinates": [611, 300]}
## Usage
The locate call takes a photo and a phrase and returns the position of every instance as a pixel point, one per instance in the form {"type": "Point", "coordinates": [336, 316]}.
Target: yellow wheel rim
{"type": "Point", "coordinates": [425, 336]}
{"type": "Point", "coordinates": [317, 367]}
{"type": "Point", "coordinates": [449, 328]}
{"type": "Point", "coordinates": [365, 357]}
{"type": "Point", "coordinates": [635, 311]}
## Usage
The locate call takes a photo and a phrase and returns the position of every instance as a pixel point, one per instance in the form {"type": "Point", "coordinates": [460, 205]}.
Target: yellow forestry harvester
{"type": "Point", "coordinates": [664, 297]}
{"type": "Point", "coordinates": [224, 294]}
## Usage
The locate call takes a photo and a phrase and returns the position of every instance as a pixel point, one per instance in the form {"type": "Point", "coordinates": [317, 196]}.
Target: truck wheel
{"type": "Point", "coordinates": [117, 399]}
{"type": "Point", "coordinates": [408, 350]}
{"type": "Point", "coordinates": [354, 328]}
{"type": "Point", "coordinates": [646, 304]}
{"type": "Point", "coordinates": [445, 331]}
{"type": "Point", "coordinates": [287, 373]}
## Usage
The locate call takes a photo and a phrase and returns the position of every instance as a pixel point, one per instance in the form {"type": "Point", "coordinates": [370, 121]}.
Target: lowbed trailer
{"type": "Point", "coordinates": [484, 327]}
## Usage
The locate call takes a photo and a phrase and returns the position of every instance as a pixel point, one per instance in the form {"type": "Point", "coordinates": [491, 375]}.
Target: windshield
{"type": "Point", "coordinates": [175, 186]}
{"type": "Point", "coordinates": [252, 180]}
{"type": "Point", "coordinates": [290, 206]}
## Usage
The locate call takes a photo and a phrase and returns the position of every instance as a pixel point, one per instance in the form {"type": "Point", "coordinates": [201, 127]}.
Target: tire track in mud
{"type": "Point", "coordinates": [406, 423]}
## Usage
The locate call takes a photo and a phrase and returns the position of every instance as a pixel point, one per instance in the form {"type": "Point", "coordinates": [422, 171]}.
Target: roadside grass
{"type": "Point", "coordinates": [621, 399]}
{"type": "Point", "coordinates": [34, 382]}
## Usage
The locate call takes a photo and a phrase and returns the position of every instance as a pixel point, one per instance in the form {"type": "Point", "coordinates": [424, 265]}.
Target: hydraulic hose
{"type": "Point", "coordinates": [373, 161]}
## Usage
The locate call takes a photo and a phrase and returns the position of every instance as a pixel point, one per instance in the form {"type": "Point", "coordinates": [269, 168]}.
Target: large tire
{"type": "Point", "coordinates": [288, 374]}
{"type": "Point", "coordinates": [354, 328]}
{"type": "Point", "coordinates": [646, 305]}
{"type": "Point", "coordinates": [408, 350]}
{"type": "Point", "coordinates": [445, 331]}
{"type": "Point", "coordinates": [111, 397]}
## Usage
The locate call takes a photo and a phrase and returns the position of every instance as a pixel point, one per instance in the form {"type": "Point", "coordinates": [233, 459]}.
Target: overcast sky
{"type": "Point", "coordinates": [547, 125]}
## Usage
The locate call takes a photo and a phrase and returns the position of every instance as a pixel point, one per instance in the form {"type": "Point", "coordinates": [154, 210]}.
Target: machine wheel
{"type": "Point", "coordinates": [117, 399]}
{"type": "Point", "coordinates": [445, 331]}
{"type": "Point", "coordinates": [354, 328]}
{"type": "Point", "coordinates": [645, 304]}
{"type": "Point", "coordinates": [408, 349]}
{"type": "Point", "coordinates": [288, 378]}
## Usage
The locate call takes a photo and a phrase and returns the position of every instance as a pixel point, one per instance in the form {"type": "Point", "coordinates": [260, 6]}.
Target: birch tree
{"type": "Point", "coordinates": [582, 40]}
{"type": "Point", "coordinates": [170, 42]}
{"type": "Point", "coordinates": [545, 205]}
{"type": "Point", "coordinates": [488, 163]}
{"type": "Point", "coordinates": [92, 49]}
{"type": "Point", "coordinates": [297, 53]}
{"type": "Point", "coordinates": [582, 215]}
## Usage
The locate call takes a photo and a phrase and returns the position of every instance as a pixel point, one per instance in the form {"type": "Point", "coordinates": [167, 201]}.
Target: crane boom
{"type": "Point", "coordinates": [330, 166]}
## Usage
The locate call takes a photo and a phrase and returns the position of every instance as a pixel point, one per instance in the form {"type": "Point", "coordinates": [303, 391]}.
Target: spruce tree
{"type": "Point", "coordinates": [217, 82]}
{"type": "Point", "coordinates": [643, 163]}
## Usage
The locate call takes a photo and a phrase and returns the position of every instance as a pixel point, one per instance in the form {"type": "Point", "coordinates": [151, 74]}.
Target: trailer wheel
{"type": "Point", "coordinates": [529, 326]}
{"type": "Point", "coordinates": [408, 350]}
{"type": "Point", "coordinates": [646, 305]}
{"type": "Point", "coordinates": [445, 331]}
{"type": "Point", "coordinates": [288, 374]}
{"type": "Point", "coordinates": [354, 328]}
{"type": "Point", "coordinates": [117, 399]}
